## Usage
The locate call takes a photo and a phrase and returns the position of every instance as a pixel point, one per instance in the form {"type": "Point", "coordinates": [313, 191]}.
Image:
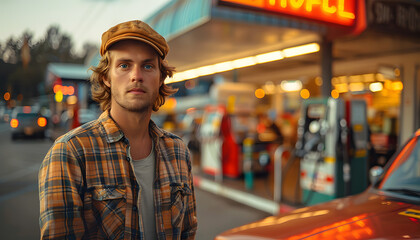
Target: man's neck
{"type": "Point", "coordinates": [135, 125]}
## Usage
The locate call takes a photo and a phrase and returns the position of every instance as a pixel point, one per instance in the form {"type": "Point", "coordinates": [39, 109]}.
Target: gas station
{"type": "Point", "coordinates": [332, 67]}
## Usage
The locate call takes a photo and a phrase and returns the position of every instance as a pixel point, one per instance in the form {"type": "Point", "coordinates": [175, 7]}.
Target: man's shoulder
{"type": "Point", "coordinates": [162, 133]}
{"type": "Point", "coordinates": [86, 130]}
{"type": "Point", "coordinates": [171, 139]}
{"type": "Point", "coordinates": [171, 135]}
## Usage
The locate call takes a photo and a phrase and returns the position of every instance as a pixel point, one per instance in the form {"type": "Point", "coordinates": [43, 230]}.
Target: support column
{"type": "Point", "coordinates": [407, 124]}
{"type": "Point", "coordinates": [235, 75]}
{"type": "Point", "coordinates": [326, 67]}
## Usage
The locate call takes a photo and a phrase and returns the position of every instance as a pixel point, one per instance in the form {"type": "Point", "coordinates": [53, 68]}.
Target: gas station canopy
{"type": "Point", "coordinates": [200, 32]}
{"type": "Point", "coordinates": [204, 32]}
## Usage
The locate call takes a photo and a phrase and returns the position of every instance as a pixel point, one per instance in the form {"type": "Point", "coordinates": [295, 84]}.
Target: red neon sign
{"type": "Point", "coordinates": [342, 12]}
{"type": "Point", "coordinates": [65, 90]}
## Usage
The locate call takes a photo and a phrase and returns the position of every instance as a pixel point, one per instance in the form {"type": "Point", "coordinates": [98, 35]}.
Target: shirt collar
{"type": "Point", "coordinates": [112, 131]}
{"type": "Point", "coordinates": [155, 130]}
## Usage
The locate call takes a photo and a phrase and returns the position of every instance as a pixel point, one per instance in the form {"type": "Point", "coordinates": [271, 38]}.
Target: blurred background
{"type": "Point", "coordinates": [282, 104]}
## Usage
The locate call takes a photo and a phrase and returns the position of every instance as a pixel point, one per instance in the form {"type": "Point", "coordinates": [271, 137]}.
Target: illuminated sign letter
{"type": "Point", "coordinates": [309, 4]}
{"type": "Point", "coordinates": [326, 7]}
{"type": "Point", "coordinates": [283, 3]}
{"type": "Point", "coordinates": [296, 3]}
{"type": "Point", "coordinates": [341, 11]}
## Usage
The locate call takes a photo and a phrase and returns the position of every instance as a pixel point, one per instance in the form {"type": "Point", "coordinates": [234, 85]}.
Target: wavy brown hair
{"type": "Point", "coordinates": [101, 93]}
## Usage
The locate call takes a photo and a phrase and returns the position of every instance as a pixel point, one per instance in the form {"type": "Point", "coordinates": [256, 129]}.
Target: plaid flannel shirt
{"type": "Point", "coordinates": [88, 189]}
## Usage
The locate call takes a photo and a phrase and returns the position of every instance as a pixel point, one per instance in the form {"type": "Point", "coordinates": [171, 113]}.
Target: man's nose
{"type": "Point", "coordinates": [136, 74]}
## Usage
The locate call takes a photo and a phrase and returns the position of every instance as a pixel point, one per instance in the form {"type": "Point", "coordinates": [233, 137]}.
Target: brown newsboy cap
{"type": "Point", "coordinates": [136, 30]}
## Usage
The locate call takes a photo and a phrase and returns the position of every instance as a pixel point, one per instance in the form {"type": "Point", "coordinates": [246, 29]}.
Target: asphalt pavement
{"type": "Point", "coordinates": [19, 205]}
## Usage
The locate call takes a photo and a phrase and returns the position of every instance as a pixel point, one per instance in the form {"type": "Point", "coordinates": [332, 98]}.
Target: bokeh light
{"type": "Point", "coordinates": [305, 94]}
{"type": "Point", "coordinates": [259, 93]}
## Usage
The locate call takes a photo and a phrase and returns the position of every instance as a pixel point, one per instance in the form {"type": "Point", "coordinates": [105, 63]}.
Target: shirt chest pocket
{"type": "Point", "coordinates": [109, 207]}
{"type": "Point", "coordinates": [180, 194]}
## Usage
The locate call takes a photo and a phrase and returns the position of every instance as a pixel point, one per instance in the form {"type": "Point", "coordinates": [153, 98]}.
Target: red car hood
{"type": "Point", "coordinates": [364, 216]}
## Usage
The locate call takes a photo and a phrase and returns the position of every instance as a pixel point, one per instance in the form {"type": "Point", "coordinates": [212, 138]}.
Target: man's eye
{"type": "Point", "coordinates": [148, 66]}
{"type": "Point", "coordinates": [123, 65]}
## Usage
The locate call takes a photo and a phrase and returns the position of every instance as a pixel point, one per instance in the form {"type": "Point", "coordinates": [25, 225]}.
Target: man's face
{"type": "Point", "coordinates": [134, 76]}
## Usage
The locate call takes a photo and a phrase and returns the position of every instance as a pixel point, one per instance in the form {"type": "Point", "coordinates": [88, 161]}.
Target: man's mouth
{"type": "Point", "coordinates": [136, 90]}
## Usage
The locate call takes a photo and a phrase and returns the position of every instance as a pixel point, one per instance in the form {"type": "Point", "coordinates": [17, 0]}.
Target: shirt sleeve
{"type": "Point", "coordinates": [190, 219]}
{"type": "Point", "coordinates": [60, 184]}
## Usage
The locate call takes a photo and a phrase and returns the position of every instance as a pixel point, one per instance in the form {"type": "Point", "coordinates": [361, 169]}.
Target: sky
{"type": "Point", "coordinates": [83, 20]}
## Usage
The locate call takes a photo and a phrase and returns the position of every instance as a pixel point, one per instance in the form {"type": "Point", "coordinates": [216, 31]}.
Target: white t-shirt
{"type": "Point", "coordinates": [145, 174]}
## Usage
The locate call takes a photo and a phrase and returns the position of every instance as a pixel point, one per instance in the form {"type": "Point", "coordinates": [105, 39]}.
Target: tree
{"type": "Point", "coordinates": [54, 47]}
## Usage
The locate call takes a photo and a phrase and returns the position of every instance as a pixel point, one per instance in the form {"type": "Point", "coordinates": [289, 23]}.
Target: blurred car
{"type": "Point", "coordinates": [389, 209]}
{"type": "Point", "coordinates": [27, 123]}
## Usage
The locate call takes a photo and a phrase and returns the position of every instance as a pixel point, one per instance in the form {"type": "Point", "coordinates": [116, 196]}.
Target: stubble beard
{"type": "Point", "coordinates": [139, 106]}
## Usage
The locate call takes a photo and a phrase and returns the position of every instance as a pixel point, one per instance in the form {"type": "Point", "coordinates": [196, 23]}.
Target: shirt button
{"type": "Point", "coordinates": [128, 159]}
{"type": "Point", "coordinates": [135, 208]}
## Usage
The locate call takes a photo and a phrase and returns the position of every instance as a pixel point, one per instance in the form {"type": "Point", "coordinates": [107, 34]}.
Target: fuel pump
{"type": "Point", "coordinates": [358, 140]}
{"type": "Point", "coordinates": [219, 151]}
{"type": "Point", "coordinates": [328, 132]}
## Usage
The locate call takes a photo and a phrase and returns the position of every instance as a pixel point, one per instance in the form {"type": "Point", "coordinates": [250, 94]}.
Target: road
{"type": "Point", "coordinates": [19, 206]}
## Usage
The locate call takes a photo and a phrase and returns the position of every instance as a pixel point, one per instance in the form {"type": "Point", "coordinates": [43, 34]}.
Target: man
{"type": "Point", "coordinates": [120, 176]}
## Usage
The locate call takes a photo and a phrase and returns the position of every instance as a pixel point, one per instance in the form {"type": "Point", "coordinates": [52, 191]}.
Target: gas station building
{"type": "Point", "coordinates": [357, 43]}
{"type": "Point", "coordinates": [270, 55]}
